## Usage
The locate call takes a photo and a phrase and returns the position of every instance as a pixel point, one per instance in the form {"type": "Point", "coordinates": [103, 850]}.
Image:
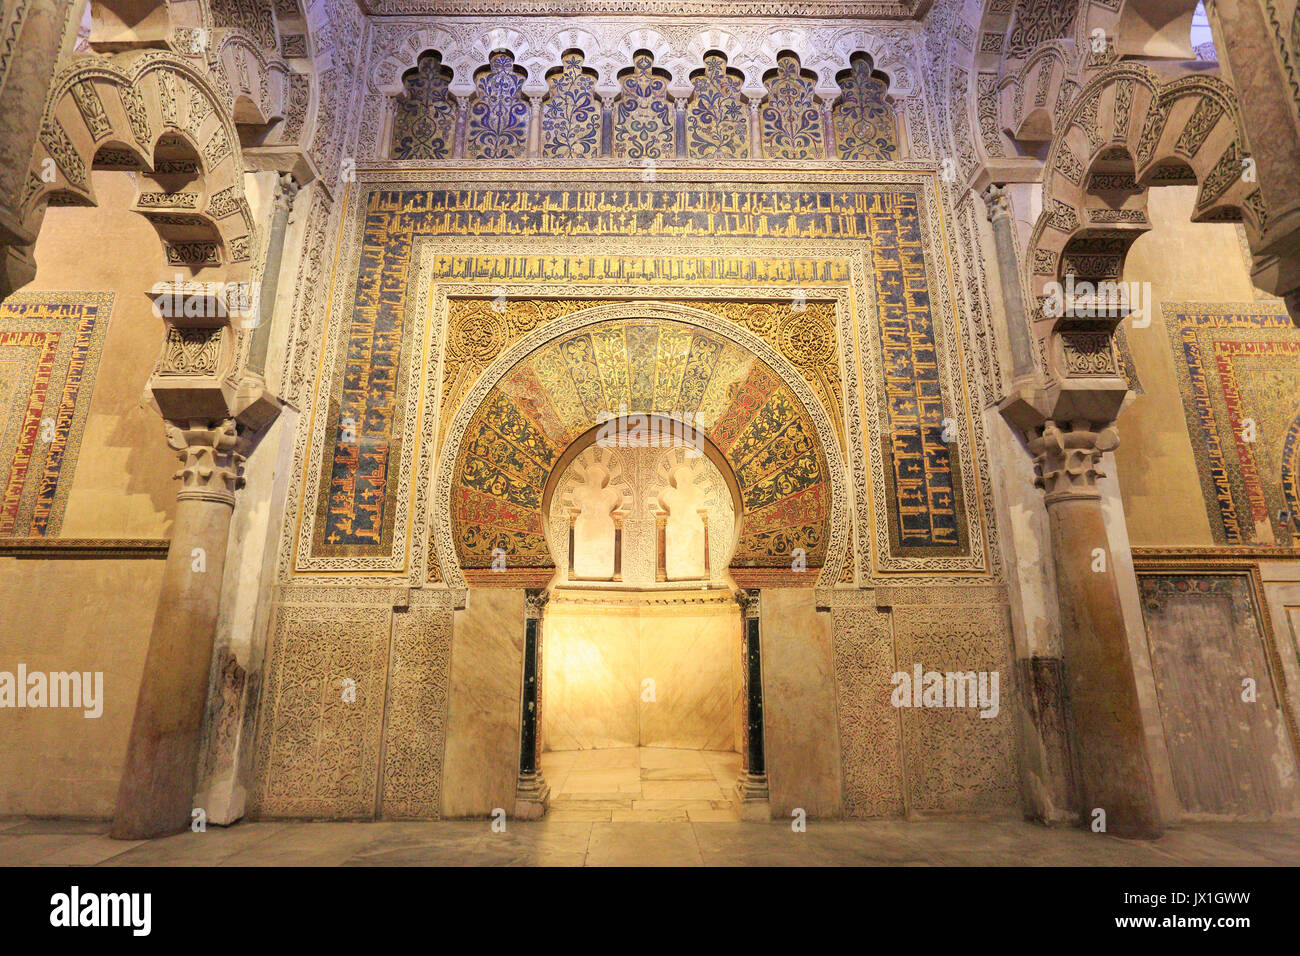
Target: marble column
{"type": "Point", "coordinates": [156, 793]}
{"type": "Point", "coordinates": [752, 789]}
{"type": "Point", "coordinates": [755, 126]}
{"type": "Point", "coordinates": [1013, 299]}
{"type": "Point", "coordinates": [462, 122]}
{"type": "Point", "coordinates": [1114, 772]}
{"type": "Point", "coordinates": [534, 125]}
{"type": "Point", "coordinates": [285, 192]}
{"type": "Point", "coordinates": [679, 125]}
{"type": "Point", "coordinates": [606, 123]}
{"type": "Point", "coordinates": [828, 126]}
{"type": "Point", "coordinates": [532, 790]}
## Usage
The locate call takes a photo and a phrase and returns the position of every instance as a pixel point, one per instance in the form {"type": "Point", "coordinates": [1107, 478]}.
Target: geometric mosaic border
{"type": "Point", "coordinates": [50, 346]}
{"type": "Point", "coordinates": [1238, 369]}
{"type": "Point", "coordinates": [868, 403]}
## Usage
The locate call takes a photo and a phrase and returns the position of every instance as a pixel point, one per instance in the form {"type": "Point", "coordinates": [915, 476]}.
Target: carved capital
{"type": "Point", "coordinates": [211, 467]}
{"type": "Point", "coordinates": [535, 602]}
{"type": "Point", "coordinates": [286, 191]}
{"type": "Point", "coordinates": [998, 203]}
{"type": "Point", "coordinates": [1066, 458]}
{"type": "Point", "coordinates": [748, 601]}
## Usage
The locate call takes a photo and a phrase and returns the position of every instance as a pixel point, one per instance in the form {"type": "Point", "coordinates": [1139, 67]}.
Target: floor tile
{"type": "Point", "coordinates": [643, 844]}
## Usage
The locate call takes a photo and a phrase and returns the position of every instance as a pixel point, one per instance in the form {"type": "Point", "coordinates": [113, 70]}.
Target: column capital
{"type": "Point", "coordinates": [211, 466]}
{"type": "Point", "coordinates": [1066, 457]}
{"type": "Point", "coordinates": [286, 191]}
{"type": "Point", "coordinates": [748, 600]}
{"type": "Point", "coordinates": [998, 202]}
{"type": "Point", "coordinates": [535, 600]}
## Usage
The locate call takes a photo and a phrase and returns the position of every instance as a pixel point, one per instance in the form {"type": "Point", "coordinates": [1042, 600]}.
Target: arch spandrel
{"type": "Point", "coordinates": [545, 392]}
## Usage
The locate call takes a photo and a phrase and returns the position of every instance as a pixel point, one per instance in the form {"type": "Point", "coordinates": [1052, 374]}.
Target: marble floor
{"type": "Point", "coordinates": [641, 785]}
{"type": "Point", "coordinates": [597, 843]}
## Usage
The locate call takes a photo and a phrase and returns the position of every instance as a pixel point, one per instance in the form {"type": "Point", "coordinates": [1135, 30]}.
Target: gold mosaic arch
{"type": "Point", "coordinates": [545, 392]}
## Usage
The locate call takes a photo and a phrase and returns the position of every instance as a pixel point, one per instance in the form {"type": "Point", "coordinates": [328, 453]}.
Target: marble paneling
{"type": "Point", "coordinates": [688, 653]}
{"type": "Point", "coordinates": [800, 730]}
{"type": "Point", "coordinates": [591, 677]}
{"type": "Point", "coordinates": [651, 676]}
{"type": "Point", "coordinates": [738, 734]}
{"type": "Point", "coordinates": [481, 762]}
{"type": "Point", "coordinates": [72, 615]}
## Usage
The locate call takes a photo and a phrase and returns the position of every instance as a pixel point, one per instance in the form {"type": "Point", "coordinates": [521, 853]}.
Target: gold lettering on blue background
{"type": "Point", "coordinates": [358, 493]}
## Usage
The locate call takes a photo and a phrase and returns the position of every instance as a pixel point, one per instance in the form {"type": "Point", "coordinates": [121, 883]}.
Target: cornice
{"type": "Point", "coordinates": [84, 547]}
{"type": "Point", "coordinates": [834, 9]}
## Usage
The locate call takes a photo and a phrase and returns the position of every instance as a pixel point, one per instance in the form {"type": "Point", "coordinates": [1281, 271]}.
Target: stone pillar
{"type": "Point", "coordinates": [462, 121]}
{"type": "Point", "coordinates": [534, 126]}
{"type": "Point", "coordinates": [828, 125]}
{"type": "Point", "coordinates": [1114, 772]}
{"type": "Point", "coordinates": [532, 790]}
{"type": "Point", "coordinates": [1023, 370]}
{"type": "Point", "coordinates": [156, 793]}
{"type": "Point", "coordinates": [679, 125]}
{"type": "Point", "coordinates": [606, 123]}
{"type": "Point", "coordinates": [755, 127]}
{"type": "Point", "coordinates": [751, 789]}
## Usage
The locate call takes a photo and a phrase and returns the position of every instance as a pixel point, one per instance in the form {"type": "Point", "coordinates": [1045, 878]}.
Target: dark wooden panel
{"type": "Point", "coordinates": [1206, 636]}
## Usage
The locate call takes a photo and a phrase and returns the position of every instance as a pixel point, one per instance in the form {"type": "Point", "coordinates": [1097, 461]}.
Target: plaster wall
{"type": "Point", "coordinates": [1182, 261]}
{"type": "Point", "coordinates": [93, 614]}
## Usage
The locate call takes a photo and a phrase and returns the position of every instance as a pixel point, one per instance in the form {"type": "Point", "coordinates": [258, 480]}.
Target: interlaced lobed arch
{"type": "Point", "coordinates": [155, 113]}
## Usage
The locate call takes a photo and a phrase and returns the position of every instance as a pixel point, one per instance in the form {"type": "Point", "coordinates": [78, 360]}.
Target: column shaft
{"type": "Point", "coordinates": [531, 790]}
{"type": "Point", "coordinates": [156, 793]}
{"type": "Point", "coordinates": [1114, 771]}
{"type": "Point", "coordinates": [1013, 300]}
{"type": "Point", "coordinates": [751, 788]}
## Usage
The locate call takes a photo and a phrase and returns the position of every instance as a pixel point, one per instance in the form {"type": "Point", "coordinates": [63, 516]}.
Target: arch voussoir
{"type": "Point", "coordinates": [154, 113]}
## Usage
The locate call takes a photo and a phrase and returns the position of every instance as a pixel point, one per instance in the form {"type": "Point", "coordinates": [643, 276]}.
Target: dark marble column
{"type": "Point", "coordinates": [751, 788]}
{"type": "Point", "coordinates": [532, 790]}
